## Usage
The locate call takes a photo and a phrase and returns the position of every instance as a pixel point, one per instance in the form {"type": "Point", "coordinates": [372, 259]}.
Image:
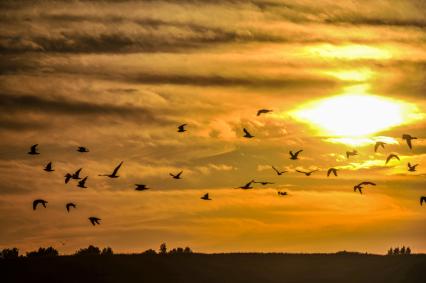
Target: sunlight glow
{"type": "Point", "coordinates": [356, 115]}
{"type": "Point", "coordinates": [351, 75]}
{"type": "Point", "coordinates": [350, 52]}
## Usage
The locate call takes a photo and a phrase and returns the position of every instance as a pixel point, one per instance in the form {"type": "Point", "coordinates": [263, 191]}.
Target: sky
{"type": "Point", "coordinates": [119, 76]}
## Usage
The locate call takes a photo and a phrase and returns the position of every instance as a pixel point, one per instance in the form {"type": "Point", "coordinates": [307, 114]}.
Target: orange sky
{"type": "Point", "coordinates": [119, 77]}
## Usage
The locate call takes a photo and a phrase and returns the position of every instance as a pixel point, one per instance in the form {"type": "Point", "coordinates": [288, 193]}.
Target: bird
{"type": "Point", "coordinates": [332, 170]}
{"type": "Point", "coordinates": [246, 186]}
{"type": "Point", "coordinates": [279, 173]}
{"type": "Point", "coordinates": [247, 134]}
{"type": "Point", "coordinates": [412, 168]}
{"type": "Point", "coordinates": [33, 150]}
{"type": "Point", "coordinates": [48, 167]}
{"type": "Point", "coordinates": [94, 220]}
{"type": "Point", "coordinates": [82, 183]}
{"type": "Point", "coordinates": [360, 186]}
{"type": "Point", "coordinates": [391, 156]}
{"type": "Point", "coordinates": [39, 201]}
{"type": "Point", "coordinates": [263, 111]}
{"type": "Point", "coordinates": [263, 183]}
{"type": "Point", "coordinates": [68, 177]}
{"type": "Point", "coordinates": [206, 197]}
{"type": "Point", "coordinates": [82, 149]}
{"type": "Point", "coordinates": [69, 205]}
{"type": "Point", "coordinates": [307, 173]}
{"type": "Point", "coordinates": [140, 187]}
{"type": "Point", "coordinates": [181, 128]}
{"type": "Point", "coordinates": [114, 173]}
{"type": "Point", "coordinates": [379, 144]}
{"type": "Point", "coordinates": [293, 156]}
{"type": "Point", "coordinates": [282, 193]}
{"type": "Point", "coordinates": [176, 176]}
{"type": "Point", "coordinates": [76, 175]}
{"type": "Point", "coordinates": [422, 199]}
{"type": "Point", "coordinates": [408, 139]}
{"type": "Point", "coordinates": [351, 153]}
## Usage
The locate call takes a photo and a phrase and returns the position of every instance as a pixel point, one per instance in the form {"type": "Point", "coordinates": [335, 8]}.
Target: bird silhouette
{"type": "Point", "coordinates": [408, 139]}
{"type": "Point", "coordinates": [390, 157]}
{"type": "Point", "coordinates": [379, 144]}
{"type": "Point", "coordinates": [263, 183]}
{"type": "Point", "coordinates": [82, 149]}
{"type": "Point", "coordinates": [48, 167]}
{"type": "Point", "coordinates": [307, 173]}
{"type": "Point", "coordinates": [247, 186]}
{"type": "Point", "coordinates": [279, 173]}
{"type": "Point", "coordinates": [282, 193]}
{"type": "Point", "coordinates": [68, 177]}
{"type": "Point", "coordinates": [82, 183]}
{"type": "Point", "coordinates": [181, 128]}
{"type": "Point", "coordinates": [39, 201]}
{"type": "Point", "coordinates": [351, 153]}
{"type": "Point", "coordinates": [247, 134]}
{"type": "Point", "coordinates": [412, 168]}
{"type": "Point", "coordinates": [76, 175]}
{"type": "Point", "coordinates": [176, 176]}
{"type": "Point", "coordinates": [114, 173]}
{"type": "Point", "coordinates": [263, 111]}
{"type": "Point", "coordinates": [69, 205]}
{"type": "Point", "coordinates": [33, 150]}
{"type": "Point", "coordinates": [293, 156]}
{"type": "Point", "coordinates": [422, 199]}
{"type": "Point", "coordinates": [94, 220]}
{"type": "Point", "coordinates": [360, 186]}
{"type": "Point", "coordinates": [140, 187]}
{"type": "Point", "coordinates": [332, 170]}
{"type": "Point", "coordinates": [206, 197]}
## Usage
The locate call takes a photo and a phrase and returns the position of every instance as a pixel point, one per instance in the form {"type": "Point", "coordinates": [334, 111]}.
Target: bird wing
{"type": "Point", "coordinates": [367, 183]}
{"type": "Point", "coordinates": [49, 166]}
{"type": "Point", "coordinates": [178, 174]}
{"type": "Point", "coordinates": [246, 132]}
{"type": "Point", "coordinates": [33, 147]}
{"type": "Point", "coordinates": [422, 199]}
{"type": "Point", "coordinates": [275, 169]}
{"type": "Point", "coordinates": [409, 143]}
{"type": "Point", "coordinates": [301, 171]}
{"type": "Point", "coordinates": [376, 146]}
{"type": "Point", "coordinates": [329, 171]}
{"type": "Point", "coordinates": [297, 152]}
{"type": "Point", "coordinates": [78, 172]}
{"type": "Point", "coordinates": [67, 178]}
{"type": "Point", "coordinates": [117, 168]}
{"type": "Point", "coordinates": [35, 204]}
{"type": "Point", "coordinates": [390, 157]}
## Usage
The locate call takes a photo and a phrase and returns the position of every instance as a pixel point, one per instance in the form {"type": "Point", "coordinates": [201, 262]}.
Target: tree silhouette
{"type": "Point", "coordinates": [390, 251]}
{"type": "Point", "coordinates": [149, 252]}
{"type": "Point", "coordinates": [9, 253]}
{"type": "Point", "coordinates": [107, 251]}
{"type": "Point", "coordinates": [50, 251]}
{"type": "Point", "coordinates": [408, 251]}
{"type": "Point", "coordinates": [90, 250]}
{"type": "Point", "coordinates": [396, 251]}
{"type": "Point", "coordinates": [402, 251]}
{"type": "Point", "coordinates": [163, 249]}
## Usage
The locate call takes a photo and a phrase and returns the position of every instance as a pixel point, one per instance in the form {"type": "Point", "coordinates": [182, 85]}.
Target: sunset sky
{"type": "Point", "coordinates": [119, 76]}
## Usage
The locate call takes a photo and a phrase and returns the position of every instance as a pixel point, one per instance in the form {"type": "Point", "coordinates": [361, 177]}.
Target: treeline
{"type": "Point", "coordinates": [399, 251]}
{"type": "Point", "coordinates": [89, 251]}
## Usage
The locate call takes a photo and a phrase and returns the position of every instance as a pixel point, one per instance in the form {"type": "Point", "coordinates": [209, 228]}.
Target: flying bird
{"type": "Point", "coordinates": [263, 183]}
{"type": "Point", "coordinates": [390, 157]}
{"type": "Point", "coordinates": [206, 197]}
{"type": "Point", "coordinates": [114, 173]}
{"type": "Point", "coordinates": [412, 168]}
{"type": "Point", "coordinates": [68, 177]}
{"type": "Point", "coordinates": [293, 156]}
{"type": "Point", "coordinates": [360, 186]}
{"type": "Point", "coordinates": [82, 183]}
{"type": "Point", "coordinates": [332, 170]}
{"type": "Point", "coordinates": [263, 111]}
{"type": "Point", "coordinates": [408, 139]}
{"type": "Point", "coordinates": [246, 186]}
{"type": "Point", "coordinates": [69, 205]}
{"type": "Point", "coordinates": [82, 149]}
{"type": "Point", "coordinates": [379, 144]}
{"type": "Point", "coordinates": [48, 167]}
{"type": "Point", "coordinates": [247, 134]}
{"type": "Point", "coordinates": [307, 173]}
{"type": "Point", "coordinates": [351, 153]}
{"type": "Point", "coordinates": [279, 173]}
{"type": "Point", "coordinates": [33, 150]}
{"type": "Point", "coordinates": [39, 201]}
{"type": "Point", "coordinates": [282, 193]}
{"type": "Point", "coordinates": [140, 187]}
{"type": "Point", "coordinates": [181, 128]}
{"type": "Point", "coordinates": [176, 176]}
{"type": "Point", "coordinates": [94, 220]}
{"type": "Point", "coordinates": [76, 175]}
{"type": "Point", "coordinates": [422, 199]}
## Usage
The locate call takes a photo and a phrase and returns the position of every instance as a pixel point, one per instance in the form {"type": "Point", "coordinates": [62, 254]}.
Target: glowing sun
{"type": "Point", "coordinates": [356, 115]}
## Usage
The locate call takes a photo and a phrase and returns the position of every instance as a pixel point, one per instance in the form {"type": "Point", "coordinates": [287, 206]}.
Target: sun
{"type": "Point", "coordinates": [356, 115]}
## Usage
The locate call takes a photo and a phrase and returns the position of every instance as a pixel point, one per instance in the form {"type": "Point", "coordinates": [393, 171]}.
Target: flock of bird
{"type": "Point", "coordinates": [181, 129]}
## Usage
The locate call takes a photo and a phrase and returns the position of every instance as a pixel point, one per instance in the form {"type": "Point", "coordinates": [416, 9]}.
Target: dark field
{"type": "Point", "coordinates": [201, 268]}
